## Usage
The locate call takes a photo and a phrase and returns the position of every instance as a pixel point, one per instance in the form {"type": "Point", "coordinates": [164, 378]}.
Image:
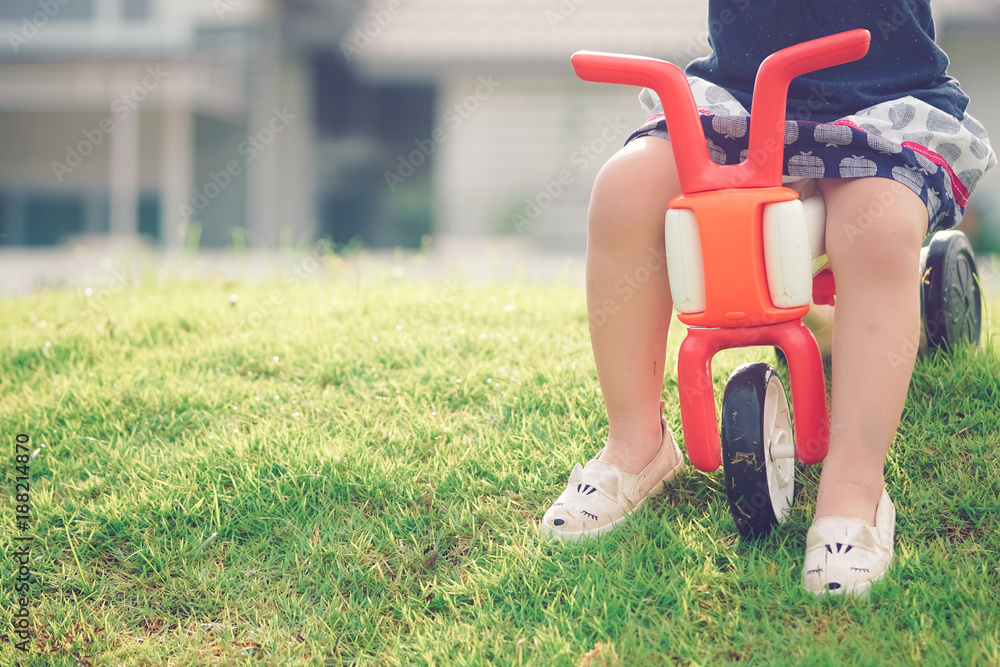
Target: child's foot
{"type": "Point", "coordinates": [601, 495]}
{"type": "Point", "coordinates": [845, 554]}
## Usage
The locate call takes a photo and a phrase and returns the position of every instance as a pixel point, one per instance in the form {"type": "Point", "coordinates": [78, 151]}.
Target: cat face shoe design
{"type": "Point", "coordinates": [600, 496]}
{"type": "Point", "coordinates": [845, 555]}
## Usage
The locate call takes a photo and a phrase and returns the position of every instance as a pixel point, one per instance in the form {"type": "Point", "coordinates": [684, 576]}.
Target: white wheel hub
{"type": "Point", "coordinates": [779, 449]}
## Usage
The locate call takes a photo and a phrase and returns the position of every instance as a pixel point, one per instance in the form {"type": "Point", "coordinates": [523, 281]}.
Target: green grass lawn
{"type": "Point", "coordinates": [331, 473]}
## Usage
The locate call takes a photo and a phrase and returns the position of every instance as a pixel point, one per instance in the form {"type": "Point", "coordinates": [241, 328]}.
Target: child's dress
{"type": "Point", "coordinates": [894, 113]}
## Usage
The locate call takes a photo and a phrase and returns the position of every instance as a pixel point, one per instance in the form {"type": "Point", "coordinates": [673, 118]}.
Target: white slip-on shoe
{"type": "Point", "coordinates": [845, 555]}
{"type": "Point", "coordinates": [600, 496]}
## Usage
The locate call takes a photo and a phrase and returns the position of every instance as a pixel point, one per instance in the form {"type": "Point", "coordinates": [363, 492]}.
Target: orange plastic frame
{"type": "Point", "coordinates": [728, 202]}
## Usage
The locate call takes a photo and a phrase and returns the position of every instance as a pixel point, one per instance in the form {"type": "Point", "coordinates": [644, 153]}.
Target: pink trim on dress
{"type": "Point", "coordinates": [849, 123]}
{"type": "Point", "coordinates": [959, 190]}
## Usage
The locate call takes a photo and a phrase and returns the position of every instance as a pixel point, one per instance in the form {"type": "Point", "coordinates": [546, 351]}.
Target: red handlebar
{"type": "Point", "coordinates": [669, 82]}
{"type": "Point", "coordinates": [696, 171]}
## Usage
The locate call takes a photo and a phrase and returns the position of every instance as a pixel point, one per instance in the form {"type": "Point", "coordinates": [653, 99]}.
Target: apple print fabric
{"type": "Point", "coordinates": [937, 156]}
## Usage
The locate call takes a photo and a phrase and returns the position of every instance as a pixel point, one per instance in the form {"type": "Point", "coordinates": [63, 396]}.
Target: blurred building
{"type": "Point", "coordinates": [280, 121]}
{"type": "Point", "coordinates": [158, 117]}
{"type": "Point", "coordinates": [518, 140]}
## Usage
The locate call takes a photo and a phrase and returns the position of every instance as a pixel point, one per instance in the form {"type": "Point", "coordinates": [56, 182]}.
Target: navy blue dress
{"type": "Point", "coordinates": [894, 113]}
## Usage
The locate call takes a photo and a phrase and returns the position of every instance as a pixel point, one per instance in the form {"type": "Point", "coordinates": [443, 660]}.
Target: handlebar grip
{"type": "Point", "coordinates": [767, 122]}
{"type": "Point", "coordinates": [686, 134]}
{"type": "Point", "coordinates": [602, 67]}
{"type": "Point", "coordinates": [816, 54]}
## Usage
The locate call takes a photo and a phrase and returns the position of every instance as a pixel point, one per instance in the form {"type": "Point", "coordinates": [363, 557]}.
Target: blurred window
{"type": "Point", "coordinates": [391, 122]}
{"type": "Point", "coordinates": [35, 12]}
{"type": "Point", "coordinates": [149, 215]}
{"type": "Point", "coordinates": [50, 218]}
{"type": "Point", "coordinates": [5, 221]}
{"type": "Point", "coordinates": [346, 106]}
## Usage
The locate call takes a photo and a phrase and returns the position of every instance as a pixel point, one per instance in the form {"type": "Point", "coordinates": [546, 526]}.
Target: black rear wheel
{"type": "Point", "coordinates": [952, 301]}
{"type": "Point", "coordinates": [758, 451]}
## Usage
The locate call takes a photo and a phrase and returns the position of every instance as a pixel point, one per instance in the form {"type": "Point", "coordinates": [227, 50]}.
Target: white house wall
{"type": "Point", "coordinates": [295, 213]}
{"type": "Point", "coordinates": [279, 175]}
{"type": "Point", "coordinates": [521, 155]}
{"type": "Point", "coordinates": [34, 143]}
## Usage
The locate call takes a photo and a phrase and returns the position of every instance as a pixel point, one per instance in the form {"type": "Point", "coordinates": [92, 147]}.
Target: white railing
{"type": "Point", "coordinates": [44, 25]}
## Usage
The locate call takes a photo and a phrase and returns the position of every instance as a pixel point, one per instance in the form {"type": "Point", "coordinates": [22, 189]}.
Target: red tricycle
{"type": "Point", "coordinates": [745, 259]}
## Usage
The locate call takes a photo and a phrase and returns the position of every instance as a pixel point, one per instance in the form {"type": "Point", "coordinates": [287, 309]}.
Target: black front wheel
{"type": "Point", "coordinates": [758, 450]}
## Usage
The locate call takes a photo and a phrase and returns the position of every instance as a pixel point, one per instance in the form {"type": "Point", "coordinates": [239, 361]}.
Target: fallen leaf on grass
{"type": "Point", "coordinates": [600, 655]}
{"type": "Point", "coordinates": [590, 655]}
{"type": "Point", "coordinates": [434, 553]}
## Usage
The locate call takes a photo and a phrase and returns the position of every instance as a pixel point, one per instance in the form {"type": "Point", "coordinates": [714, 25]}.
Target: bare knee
{"type": "Point", "coordinates": [633, 188]}
{"type": "Point", "coordinates": [875, 227]}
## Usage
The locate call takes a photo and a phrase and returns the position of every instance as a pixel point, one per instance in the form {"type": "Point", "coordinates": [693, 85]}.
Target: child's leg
{"type": "Point", "coordinates": [875, 228]}
{"type": "Point", "coordinates": [628, 297]}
